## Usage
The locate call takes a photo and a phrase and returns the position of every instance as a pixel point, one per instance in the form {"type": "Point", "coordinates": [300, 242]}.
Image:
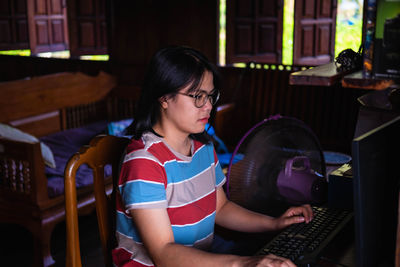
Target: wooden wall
{"type": "Point", "coordinates": [16, 67]}
{"type": "Point", "coordinates": [140, 28]}
{"type": "Point", "coordinates": [330, 111]}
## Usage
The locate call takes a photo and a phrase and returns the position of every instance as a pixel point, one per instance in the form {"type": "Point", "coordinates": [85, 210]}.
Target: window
{"type": "Point", "coordinates": [254, 31]}
{"type": "Point", "coordinates": [43, 26]}
{"type": "Point", "coordinates": [299, 32]}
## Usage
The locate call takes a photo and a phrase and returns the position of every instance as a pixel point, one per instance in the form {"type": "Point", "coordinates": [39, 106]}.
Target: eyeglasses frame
{"type": "Point", "coordinates": [210, 97]}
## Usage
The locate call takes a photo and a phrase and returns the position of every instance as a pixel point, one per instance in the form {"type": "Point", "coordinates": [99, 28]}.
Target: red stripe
{"type": "Point", "coordinates": [197, 145]}
{"type": "Point", "coordinates": [119, 204]}
{"type": "Point", "coordinates": [142, 169]}
{"type": "Point", "coordinates": [215, 157]}
{"type": "Point", "coordinates": [121, 257]}
{"type": "Point", "coordinates": [161, 152]}
{"type": "Point", "coordinates": [134, 145]}
{"type": "Point", "coordinates": [193, 212]}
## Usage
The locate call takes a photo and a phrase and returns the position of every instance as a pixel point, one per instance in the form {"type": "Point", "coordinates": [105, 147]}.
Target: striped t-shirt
{"type": "Point", "coordinates": [153, 175]}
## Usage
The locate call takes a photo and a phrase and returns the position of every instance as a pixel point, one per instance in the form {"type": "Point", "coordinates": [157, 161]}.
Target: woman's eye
{"type": "Point", "coordinates": [198, 96]}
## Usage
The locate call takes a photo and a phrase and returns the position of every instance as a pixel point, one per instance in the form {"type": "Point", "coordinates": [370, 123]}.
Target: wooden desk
{"type": "Point", "coordinates": [356, 80]}
{"type": "Point", "coordinates": [323, 75]}
{"type": "Point", "coordinates": [328, 75]}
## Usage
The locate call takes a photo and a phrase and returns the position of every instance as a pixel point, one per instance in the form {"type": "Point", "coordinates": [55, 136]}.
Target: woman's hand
{"type": "Point", "coordinates": [295, 215]}
{"type": "Point", "coordinates": [269, 260]}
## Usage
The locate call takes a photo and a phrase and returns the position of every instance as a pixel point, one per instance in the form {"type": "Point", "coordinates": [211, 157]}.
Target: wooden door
{"type": "Point", "coordinates": [47, 25]}
{"type": "Point", "coordinates": [314, 32]}
{"type": "Point", "coordinates": [13, 25]}
{"type": "Point", "coordinates": [88, 27]}
{"type": "Point", "coordinates": [254, 31]}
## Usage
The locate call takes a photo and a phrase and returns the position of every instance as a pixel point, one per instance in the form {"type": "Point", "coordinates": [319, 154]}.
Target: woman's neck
{"type": "Point", "coordinates": [179, 142]}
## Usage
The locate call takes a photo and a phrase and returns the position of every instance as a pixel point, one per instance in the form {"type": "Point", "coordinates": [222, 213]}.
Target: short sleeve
{"type": "Point", "coordinates": [142, 182]}
{"type": "Point", "coordinates": [219, 174]}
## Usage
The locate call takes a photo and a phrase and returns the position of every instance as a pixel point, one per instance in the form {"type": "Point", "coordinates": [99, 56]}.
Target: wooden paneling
{"type": "Point", "coordinates": [140, 28]}
{"type": "Point", "coordinates": [13, 25]}
{"type": "Point", "coordinates": [88, 27]}
{"type": "Point", "coordinates": [314, 32]}
{"type": "Point", "coordinates": [254, 31]}
{"type": "Point", "coordinates": [16, 67]}
{"type": "Point", "coordinates": [330, 111]}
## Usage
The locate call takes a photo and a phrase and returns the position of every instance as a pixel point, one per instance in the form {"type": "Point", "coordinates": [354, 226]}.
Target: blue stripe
{"type": "Point", "coordinates": [189, 234]}
{"type": "Point", "coordinates": [125, 226]}
{"type": "Point", "coordinates": [178, 171]}
{"type": "Point", "coordinates": [219, 174]}
{"type": "Point", "coordinates": [141, 192]}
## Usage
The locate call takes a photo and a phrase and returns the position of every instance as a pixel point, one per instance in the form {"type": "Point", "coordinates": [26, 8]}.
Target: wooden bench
{"type": "Point", "coordinates": [41, 106]}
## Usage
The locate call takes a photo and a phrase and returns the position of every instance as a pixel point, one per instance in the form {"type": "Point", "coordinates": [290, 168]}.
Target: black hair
{"type": "Point", "coordinates": [171, 69]}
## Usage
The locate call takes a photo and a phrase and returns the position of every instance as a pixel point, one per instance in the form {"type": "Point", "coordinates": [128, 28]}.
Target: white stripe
{"type": "Point", "coordinates": [191, 224]}
{"type": "Point", "coordinates": [204, 238]}
{"type": "Point", "coordinates": [130, 238]}
{"type": "Point", "coordinates": [125, 214]}
{"type": "Point", "coordinates": [191, 178]}
{"type": "Point", "coordinates": [194, 200]}
{"type": "Point", "coordinates": [132, 156]}
{"type": "Point", "coordinates": [140, 180]}
{"type": "Point", "coordinates": [143, 262]}
{"type": "Point", "coordinates": [144, 203]}
{"type": "Point", "coordinates": [222, 182]}
{"type": "Point", "coordinates": [145, 181]}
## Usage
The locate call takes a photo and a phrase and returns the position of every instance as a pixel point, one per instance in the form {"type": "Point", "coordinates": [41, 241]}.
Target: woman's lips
{"type": "Point", "coordinates": [204, 120]}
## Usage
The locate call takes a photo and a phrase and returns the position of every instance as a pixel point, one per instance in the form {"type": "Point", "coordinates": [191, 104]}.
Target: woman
{"type": "Point", "coordinates": [171, 182]}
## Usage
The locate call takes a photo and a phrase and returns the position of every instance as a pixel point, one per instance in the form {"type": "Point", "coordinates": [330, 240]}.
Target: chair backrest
{"type": "Point", "coordinates": [103, 150]}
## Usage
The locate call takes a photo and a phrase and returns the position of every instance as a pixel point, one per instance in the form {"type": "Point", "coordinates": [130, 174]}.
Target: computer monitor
{"type": "Point", "coordinates": [376, 172]}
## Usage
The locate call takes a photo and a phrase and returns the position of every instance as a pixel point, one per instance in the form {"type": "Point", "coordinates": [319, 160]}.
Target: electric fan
{"type": "Point", "coordinates": [282, 164]}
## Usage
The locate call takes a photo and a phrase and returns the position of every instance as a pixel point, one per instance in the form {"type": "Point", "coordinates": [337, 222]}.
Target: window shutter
{"type": "Point", "coordinates": [47, 25]}
{"type": "Point", "coordinates": [88, 27]}
{"type": "Point", "coordinates": [254, 31]}
{"type": "Point", "coordinates": [314, 32]}
{"type": "Point", "coordinates": [13, 25]}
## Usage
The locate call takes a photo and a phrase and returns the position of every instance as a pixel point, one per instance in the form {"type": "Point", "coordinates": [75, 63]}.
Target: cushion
{"type": "Point", "coordinates": [118, 128]}
{"type": "Point", "coordinates": [14, 134]}
{"type": "Point", "coordinates": [64, 144]}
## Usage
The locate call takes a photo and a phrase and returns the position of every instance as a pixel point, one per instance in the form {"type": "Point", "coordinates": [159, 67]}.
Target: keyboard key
{"type": "Point", "coordinates": [302, 243]}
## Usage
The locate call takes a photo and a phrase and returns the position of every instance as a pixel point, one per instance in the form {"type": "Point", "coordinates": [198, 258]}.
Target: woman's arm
{"type": "Point", "coordinates": [157, 236]}
{"type": "Point", "coordinates": [234, 217]}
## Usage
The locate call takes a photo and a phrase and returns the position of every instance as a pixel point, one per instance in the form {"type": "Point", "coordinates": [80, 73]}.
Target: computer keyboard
{"type": "Point", "coordinates": [303, 243]}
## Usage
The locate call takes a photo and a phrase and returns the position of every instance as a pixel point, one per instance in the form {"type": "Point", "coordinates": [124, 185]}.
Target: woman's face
{"type": "Point", "coordinates": [181, 116]}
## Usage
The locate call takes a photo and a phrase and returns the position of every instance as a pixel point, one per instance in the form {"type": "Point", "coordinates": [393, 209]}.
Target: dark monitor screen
{"type": "Point", "coordinates": [376, 172]}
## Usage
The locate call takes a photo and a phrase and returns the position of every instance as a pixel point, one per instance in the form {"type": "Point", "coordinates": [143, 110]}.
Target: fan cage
{"type": "Point", "coordinates": [262, 159]}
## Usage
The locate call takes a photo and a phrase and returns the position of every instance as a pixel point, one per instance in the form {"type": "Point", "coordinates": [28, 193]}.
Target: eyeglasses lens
{"type": "Point", "coordinates": [202, 97]}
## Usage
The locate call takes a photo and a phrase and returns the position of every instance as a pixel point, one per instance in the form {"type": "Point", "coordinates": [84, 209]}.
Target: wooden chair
{"type": "Point", "coordinates": [101, 151]}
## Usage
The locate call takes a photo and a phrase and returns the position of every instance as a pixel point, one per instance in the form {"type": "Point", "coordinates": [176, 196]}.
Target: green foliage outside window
{"type": "Point", "coordinates": [348, 28]}
{"type": "Point", "coordinates": [16, 52]}
{"type": "Point", "coordinates": [348, 25]}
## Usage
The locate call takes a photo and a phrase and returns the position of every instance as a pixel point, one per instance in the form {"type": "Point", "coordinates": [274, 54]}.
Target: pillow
{"type": "Point", "coordinates": [64, 144]}
{"type": "Point", "coordinates": [118, 128]}
{"type": "Point", "coordinates": [14, 134]}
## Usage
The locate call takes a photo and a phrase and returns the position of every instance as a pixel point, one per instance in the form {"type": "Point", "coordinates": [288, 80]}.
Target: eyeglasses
{"type": "Point", "coordinates": [201, 97]}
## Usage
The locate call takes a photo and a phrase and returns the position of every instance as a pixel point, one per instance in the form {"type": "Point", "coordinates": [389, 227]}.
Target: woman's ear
{"type": "Point", "coordinates": [163, 102]}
